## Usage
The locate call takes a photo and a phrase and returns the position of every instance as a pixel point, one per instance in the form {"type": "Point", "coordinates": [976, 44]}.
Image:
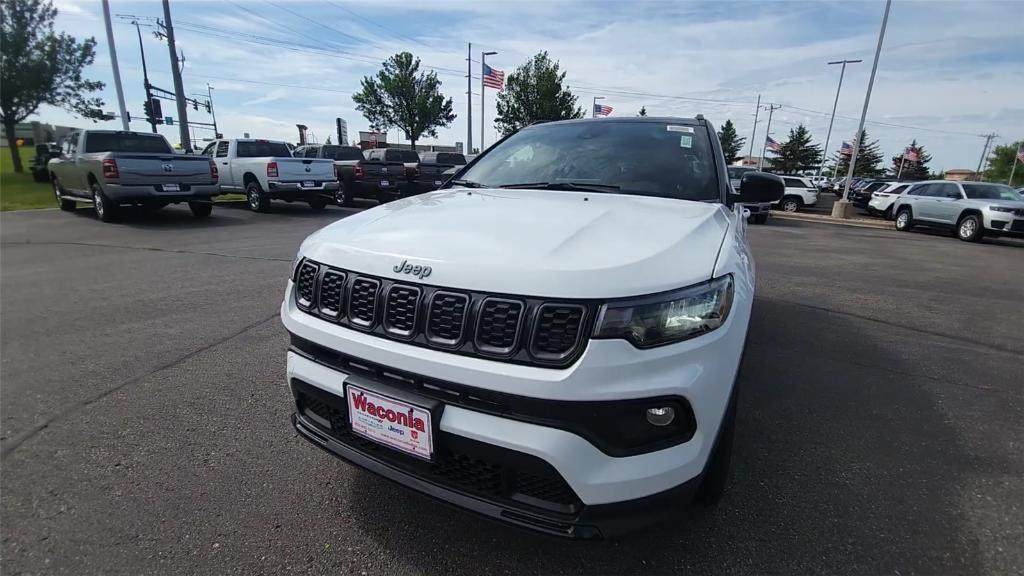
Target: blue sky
{"type": "Point", "coordinates": [949, 71]}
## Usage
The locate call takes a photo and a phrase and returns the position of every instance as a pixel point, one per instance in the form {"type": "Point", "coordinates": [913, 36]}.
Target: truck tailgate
{"type": "Point", "coordinates": [377, 172]}
{"type": "Point", "coordinates": [148, 169]}
{"type": "Point", "coordinates": [302, 169]}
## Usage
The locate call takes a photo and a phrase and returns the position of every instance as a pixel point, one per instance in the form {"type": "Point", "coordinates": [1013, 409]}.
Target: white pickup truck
{"type": "Point", "coordinates": [265, 170]}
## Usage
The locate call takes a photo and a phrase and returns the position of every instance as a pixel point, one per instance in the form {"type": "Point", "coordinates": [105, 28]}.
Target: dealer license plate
{"type": "Point", "coordinates": [397, 424]}
{"type": "Point", "coordinates": [308, 184]}
{"type": "Point", "coordinates": [384, 183]}
{"type": "Point", "coordinates": [172, 188]}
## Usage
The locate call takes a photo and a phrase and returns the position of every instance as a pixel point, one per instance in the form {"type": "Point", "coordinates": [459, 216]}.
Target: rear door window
{"type": "Point", "coordinates": [793, 183]}
{"type": "Point", "coordinates": [222, 148]}
{"type": "Point", "coordinates": [124, 142]}
{"type": "Point", "coordinates": [261, 148]}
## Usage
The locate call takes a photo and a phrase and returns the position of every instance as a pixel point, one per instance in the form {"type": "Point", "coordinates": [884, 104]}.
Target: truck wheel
{"type": "Point", "coordinates": [903, 220]}
{"type": "Point", "coordinates": [888, 213]}
{"type": "Point", "coordinates": [65, 205]}
{"type": "Point", "coordinates": [258, 201]}
{"type": "Point", "coordinates": [201, 209]}
{"type": "Point", "coordinates": [106, 209]}
{"type": "Point", "coordinates": [716, 474]}
{"type": "Point", "coordinates": [342, 197]}
{"type": "Point", "coordinates": [317, 203]}
{"type": "Point", "coordinates": [970, 228]}
{"type": "Point", "coordinates": [790, 204]}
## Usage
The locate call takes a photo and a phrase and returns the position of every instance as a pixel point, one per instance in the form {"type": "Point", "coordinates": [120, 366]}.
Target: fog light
{"type": "Point", "coordinates": [661, 416]}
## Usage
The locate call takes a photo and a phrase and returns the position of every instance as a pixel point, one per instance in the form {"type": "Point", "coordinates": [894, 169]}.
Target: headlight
{"type": "Point", "coordinates": [1001, 209]}
{"type": "Point", "coordinates": [670, 317]}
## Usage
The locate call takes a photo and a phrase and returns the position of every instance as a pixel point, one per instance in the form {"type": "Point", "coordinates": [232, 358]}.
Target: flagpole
{"type": "Point", "coordinates": [903, 159]}
{"type": "Point", "coordinates": [1016, 158]}
{"type": "Point", "coordinates": [483, 113]}
{"type": "Point", "coordinates": [767, 134]}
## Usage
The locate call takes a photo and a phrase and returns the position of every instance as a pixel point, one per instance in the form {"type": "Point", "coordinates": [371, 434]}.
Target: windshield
{"type": "Point", "coordinates": [646, 158]}
{"type": "Point", "coordinates": [259, 149]}
{"type": "Point", "coordinates": [117, 142]}
{"type": "Point", "coordinates": [979, 191]}
{"type": "Point", "coordinates": [342, 153]}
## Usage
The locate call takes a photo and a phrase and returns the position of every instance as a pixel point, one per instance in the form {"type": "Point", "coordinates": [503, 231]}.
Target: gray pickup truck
{"type": "Point", "coordinates": [108, 169]}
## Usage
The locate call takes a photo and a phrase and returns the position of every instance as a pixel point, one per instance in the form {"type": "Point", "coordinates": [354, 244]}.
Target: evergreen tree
{"type": "Point", "coordinates": [535, 91]}
{"type": "Point", "coordinates": [869, 160]}
{"type": "Point", "coordinates": [1000, 164]}
{"type": "Point", "coordinates": [732, 144]}
{"type": "Point", "coordinates": [797, 153]}
{"type": "Point", "coordinates": [912, 170]}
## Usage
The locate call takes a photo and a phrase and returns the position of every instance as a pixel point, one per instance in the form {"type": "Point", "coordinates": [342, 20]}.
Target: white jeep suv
{"type": "Point", "coordinates": [551, 340]}
{"type": "Point", "coordinates": [972, 210]}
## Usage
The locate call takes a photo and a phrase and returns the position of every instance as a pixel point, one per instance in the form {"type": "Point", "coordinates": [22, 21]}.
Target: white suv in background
{"type": "Point", "coordinates": [882, 200]}
{"type": "Point", "coordinates": [971, 209]}
{"type": "Point", "coordinates": [800, 193]}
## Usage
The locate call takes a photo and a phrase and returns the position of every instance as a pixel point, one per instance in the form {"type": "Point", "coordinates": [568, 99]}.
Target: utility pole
{"type": "Point", "coordinates": [216, 133]}
{"type": "Point", "coordinates": [984, 152]}
{"type": "Point", "coordinates": [842, 208]}
{"type": "Point", "coordinates": [754, 131]}
{"type": "Point", "coordinates": [1018, 153]}
{"type": "Point", "coordinates": [113, 64]}
{"type": "Point", "coordinates": [768, 131]}
{"type": "Point", "coordinates": [828, 136]}
{"type": "Point", "coordinates": [469, 99]}
{"type": "Point", "coordinates": [179, 89]}
{"type": "Point", "coordinates": [483, 113]}
{"type": "Point", "coordinates": [145, 77]}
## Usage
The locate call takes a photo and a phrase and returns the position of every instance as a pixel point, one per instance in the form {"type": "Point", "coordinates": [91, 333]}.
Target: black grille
{"type": "Point", "coordinates": [557, 329]}
{"type": "Point", "coordinates": [498, 325]}
{"type": "Point", "coordinates": [306, 284]}
{"type": "Point", "coordinates": [401, 309]}
{"type": "Point", "coordinates": [459, 463]}
{"type": "Point", "coordinates": [332, 289]}
{"type": "Point", "coordinates": [519, 329]}
{"type": "Point", "coordinates": [362, 301]}
{"type": "Point", "coordinates": [446, 320]}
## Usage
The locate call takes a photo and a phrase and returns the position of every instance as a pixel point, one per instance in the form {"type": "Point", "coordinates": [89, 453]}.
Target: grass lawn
{"type": "Point", "coordinates": [19, 191]}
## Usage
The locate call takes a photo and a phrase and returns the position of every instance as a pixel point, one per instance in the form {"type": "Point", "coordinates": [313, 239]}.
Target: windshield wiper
{"type": "Point", "coordinates": [467, 184]}
{"type": "Point", "coordinates": [566, 186]}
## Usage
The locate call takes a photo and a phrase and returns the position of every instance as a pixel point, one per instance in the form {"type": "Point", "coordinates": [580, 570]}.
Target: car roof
{"type": "Point", "coordinates": [625, 119]}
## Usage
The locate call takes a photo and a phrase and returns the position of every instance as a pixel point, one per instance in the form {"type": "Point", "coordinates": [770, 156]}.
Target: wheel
{"type": "Point", "coordinates": [903, 220]}
{"type": "Point", "coordinates": [258, 201]}
{"type": "Point", "coordinates": [201, 209]}
{"type": "Point", "coordinates": [759, 218]}
{"type": "Point", "coordinates": [106, 209]}
{"type": "Point", "coordinates": [790, 204]}
{"type": "Point", "coordinates": [40, 175]}
{"type": "Point", "coordinates": [317, 203]}
{"type": "Point", "coordinates": [970, 228]}
{"type": "Point", "coordinates": [888, 213]}
{"type": "Point", "coordinates": [342, 197]}
{"type": "Point", "coordinates": [65, 205]}
{"type": "Point", "coordinates": [716, 474]}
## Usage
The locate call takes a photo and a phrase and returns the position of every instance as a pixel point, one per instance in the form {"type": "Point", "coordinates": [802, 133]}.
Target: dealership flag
{"type": "Point", "coordinates": [910, 154]}
{"type": "Point", "coordinates": [772, 145]}
{"type": "Point", "coordinates": [846, 149]}
{"type": "Point", "coordinates": [493, 78]}
{"type": "Point", "coordinates": [602, 110]}
{"type": "Point", "coordinates": [1020, 153]}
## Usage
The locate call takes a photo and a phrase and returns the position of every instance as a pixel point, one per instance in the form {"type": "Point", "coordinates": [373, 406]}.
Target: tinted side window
{"type": "Point", "coordinates": [793, 183]}
{"type": "Point", "coordinates": [898, 190]}
{"type": "Point", "coordinates": [222, 148]}
{"type": "Point", "coordinates": [208, 151]}
{"type": "Point", "coordinates": [947, 190]}
{"type": "Point", "coordinates": [311, 151]}
{"type": "Point", "coordinates": [919, 190]}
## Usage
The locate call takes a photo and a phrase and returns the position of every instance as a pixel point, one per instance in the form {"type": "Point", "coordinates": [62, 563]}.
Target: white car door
{"type": "Point", "coordinates": [223, 160]}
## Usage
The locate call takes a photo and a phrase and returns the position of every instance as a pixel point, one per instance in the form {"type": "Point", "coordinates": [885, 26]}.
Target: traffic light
{"type": "Point", "coordinates": [147, 107]}
{"type": "Point", "coordinates": [195, 105]}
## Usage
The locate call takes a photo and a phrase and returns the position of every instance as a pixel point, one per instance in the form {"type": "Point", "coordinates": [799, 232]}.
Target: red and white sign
{"type": "Point", "coordinates": [402, 426]}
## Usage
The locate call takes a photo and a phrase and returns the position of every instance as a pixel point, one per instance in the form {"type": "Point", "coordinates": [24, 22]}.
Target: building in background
{"type": "Point", "coordinates": [960, 174]}
{"type": "Point", "coordinates": [33, 133]}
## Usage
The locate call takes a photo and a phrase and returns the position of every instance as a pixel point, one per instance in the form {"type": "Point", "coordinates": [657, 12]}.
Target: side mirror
{"type": "Point", "coordinates": [759, 188]}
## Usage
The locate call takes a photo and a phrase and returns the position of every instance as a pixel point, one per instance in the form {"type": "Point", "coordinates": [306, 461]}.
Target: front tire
{"type": "Point", "coordinates": [970, 228]}
{"type": "Point", "coordinates": [201, 209]}
{"type": "Point", "coordinates": [258, 201]}
{"type": "Point", "coordinates": [317, 203]}
{"type": "Point", "coordinates": [903, 220]}
{"type": "Point", "coordinates": [106, 210]}
{"type": "Point", "coordinates": [342, 197]}
{"type": "Point", "coordinates": [65, 205]}
{"type": "Point", "coordinates": [888, 213]}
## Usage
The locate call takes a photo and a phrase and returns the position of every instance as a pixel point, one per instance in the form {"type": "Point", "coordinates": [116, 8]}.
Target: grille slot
{"type": "Point", "coordinates": [498, 324]}
{"type": "Point", "coordinates": [401, 310]}
{"type": "Point", "coordinates": [362, 302]}
{"type": "Point", "coordinates": [332, 290]}
{"type": "Point", "coordinates": [446, 318]}
{"type": "Point", "coordinates": [306, 285]}
{"type": "Point", "coordinates": [557, 330]}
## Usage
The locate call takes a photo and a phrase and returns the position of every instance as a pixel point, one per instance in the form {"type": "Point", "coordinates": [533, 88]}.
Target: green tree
{"type": "Point", "coordinates": [797, 153]}
{"type": "Point", "coordinates": [869, 160]}
{"type": "Point", "coordinates": [643, 111]}
{"type": "Point", "coordinates": [732, 144]}
{"type": "Point", "coordinates": [1000, 164]}
{"type": "Point", "coordinates": [534, 92]}
{"type": "Point", "coordinates": [912, 170]}
{"type": "Point", "coordinates": [39, 66]}
{"type": "Point", "coordinates": [400, 96]}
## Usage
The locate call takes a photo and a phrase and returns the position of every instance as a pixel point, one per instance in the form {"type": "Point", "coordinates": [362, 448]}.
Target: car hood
{"type": "Point", "coordinates": [531, 242]}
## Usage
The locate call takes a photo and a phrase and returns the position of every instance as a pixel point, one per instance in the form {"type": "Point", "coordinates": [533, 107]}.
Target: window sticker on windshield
{"type": "Point", "coordinates": [677, 128]}
{"type": "Point", "coordinates": [685, 141]}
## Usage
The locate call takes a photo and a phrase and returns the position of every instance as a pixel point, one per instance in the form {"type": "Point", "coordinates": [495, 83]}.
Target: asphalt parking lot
{"type": "Point", "coordinates": [145, 416]}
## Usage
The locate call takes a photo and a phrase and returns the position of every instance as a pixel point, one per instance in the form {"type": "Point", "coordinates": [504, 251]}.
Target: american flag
{"type": "Point", "coordinates": [493, 78]}
{"type": "Point", "coordinates": [910, 154]}
{"type": "Point", "coordinates": [1020, 153]}
{"type": "Point", "coordinates": [846, 149]}
{"type": "Point", "coordinates": [602, 110]}
{"type": "Point", "coordinates": [772, 145]}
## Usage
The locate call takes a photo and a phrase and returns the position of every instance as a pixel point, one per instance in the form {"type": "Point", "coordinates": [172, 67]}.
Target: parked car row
{"type": "Point", "coordinates": [972, 210]}
{"type": "Point", "coordinates": [110, 169]}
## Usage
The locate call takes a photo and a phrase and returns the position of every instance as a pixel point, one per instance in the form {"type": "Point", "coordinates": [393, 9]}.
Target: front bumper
{"type": "Point", "coordinates": [186, 192]}
{"type": "Point", "coordinates": [1003, 223]}
{"type": "Point", "coordinates": [701, 371]}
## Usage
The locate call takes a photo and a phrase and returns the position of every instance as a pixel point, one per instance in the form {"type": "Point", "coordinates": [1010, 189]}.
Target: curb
{"type": "Point", "coordinates": [858, 223]}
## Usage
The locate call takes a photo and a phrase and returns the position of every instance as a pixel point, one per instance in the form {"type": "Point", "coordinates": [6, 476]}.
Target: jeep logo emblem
{"type": "Point", "coordinates": [167, 167]}
{"type": "Point", "coordinates": [418, 271]}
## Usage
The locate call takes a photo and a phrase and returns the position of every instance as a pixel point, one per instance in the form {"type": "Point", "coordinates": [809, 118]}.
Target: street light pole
{"type": "Point", "coordinates": [767, 134]}
{"type": "Point", "coordinates": [593, 106]}
{"type": "Point", "coordinates": [753, 132]}
{"type": "Point", "coordinates": [483, 113]}
{"type": "Point", "coordinates": [841, 209]}
{"type": "Point", "coordinates": [145, 76]}
{"type": "Point", "coordinates": [209, 96]}
{"type": "Point", "coordinates": [113, 65]}
{"type": "Point", "coordinates": [828, 136]}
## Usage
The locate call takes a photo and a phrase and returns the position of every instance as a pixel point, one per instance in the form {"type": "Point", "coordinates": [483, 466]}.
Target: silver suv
{"type": "Point", "coordinates": [972, 209]}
